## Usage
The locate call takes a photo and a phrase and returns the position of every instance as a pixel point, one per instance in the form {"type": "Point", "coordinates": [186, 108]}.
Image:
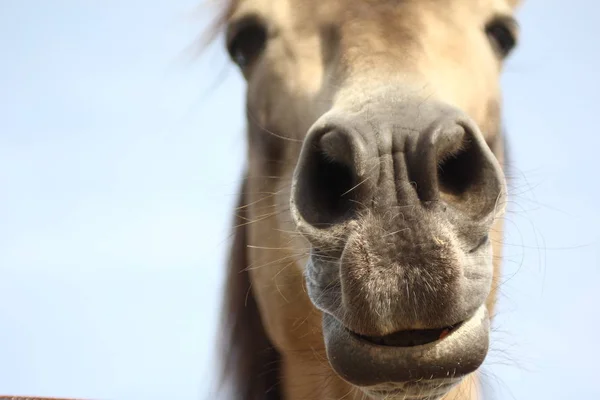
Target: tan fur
{"type": "Point", "coordinates": [437, 45]}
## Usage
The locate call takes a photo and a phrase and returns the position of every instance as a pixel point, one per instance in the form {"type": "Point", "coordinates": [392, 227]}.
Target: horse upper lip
{"type": "Point", "coordinates": [364, 363]}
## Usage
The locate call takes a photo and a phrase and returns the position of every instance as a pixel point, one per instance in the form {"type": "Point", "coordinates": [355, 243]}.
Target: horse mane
{"type": "Point", "coordinates": [250, 363]}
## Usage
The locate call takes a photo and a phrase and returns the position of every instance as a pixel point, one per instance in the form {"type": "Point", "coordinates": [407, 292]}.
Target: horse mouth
{"type": "Point", "coordinates": [408, 356]}
{"type": "Point", "coordinates": [409, 338]}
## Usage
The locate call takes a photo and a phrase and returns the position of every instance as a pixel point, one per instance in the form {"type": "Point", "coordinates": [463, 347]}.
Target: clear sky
{"type": "Point", "coordinates": [119, 162]}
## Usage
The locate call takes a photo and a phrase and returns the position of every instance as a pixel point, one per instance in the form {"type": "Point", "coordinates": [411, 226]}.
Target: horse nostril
{"type": "Point", "coordinates": [467, 175]}
{"type": "Point", "coordinates": [460, 171]}
{"type": "Point", "coordinates": [326, 179]}
{"type": "Point", "coordinates": [455, 165]}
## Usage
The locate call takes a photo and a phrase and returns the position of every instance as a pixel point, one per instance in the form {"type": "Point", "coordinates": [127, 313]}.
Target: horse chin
{"type": "Point", "coordinates": [423, 371]}
{"type": "Point", "coordinates": [434, 389]}
{"type": "Point", "coordinates": [428, 390]}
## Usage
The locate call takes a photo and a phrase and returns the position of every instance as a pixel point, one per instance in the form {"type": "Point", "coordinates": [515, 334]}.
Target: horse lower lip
{"type": "Point", "coordinates": [363, 363]}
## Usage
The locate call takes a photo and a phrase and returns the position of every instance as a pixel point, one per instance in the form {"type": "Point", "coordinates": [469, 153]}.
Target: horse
{"type": "Point", "coordinates": [367, 238]}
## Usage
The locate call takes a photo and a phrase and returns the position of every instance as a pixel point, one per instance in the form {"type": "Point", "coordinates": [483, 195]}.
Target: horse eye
{"type": "Point", "coordinates": [247, 40]}
{"type": "Point", "coordinates": [501, 36]}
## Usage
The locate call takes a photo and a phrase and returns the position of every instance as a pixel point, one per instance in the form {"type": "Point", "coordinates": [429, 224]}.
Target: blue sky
{"type": "Point", "coordinates": [119, 161]}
